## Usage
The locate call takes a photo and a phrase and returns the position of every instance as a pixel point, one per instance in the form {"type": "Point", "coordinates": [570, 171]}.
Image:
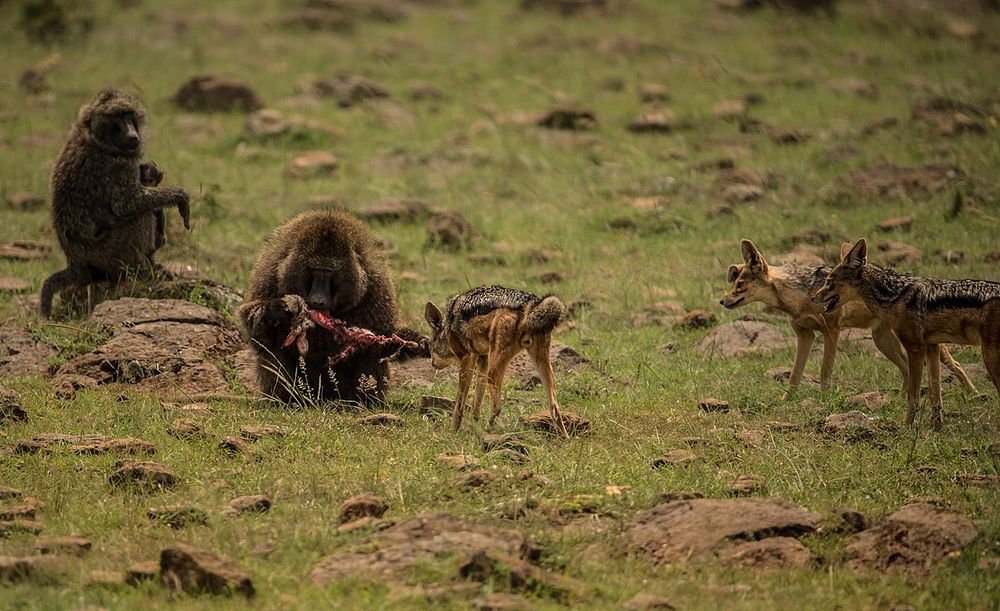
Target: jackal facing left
{"type": "Point", "coordinates": [923, 313]}
{"type": "Point", "coordinates": [482, 330]}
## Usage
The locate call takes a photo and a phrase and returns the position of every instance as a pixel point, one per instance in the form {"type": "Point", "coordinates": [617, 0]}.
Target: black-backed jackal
{"type": "Point", "coordinates": [923, 313]}
{"type": "Point", "coordinates": [482, 330]}
{"type": "Point", "coordinates": [788, 288]}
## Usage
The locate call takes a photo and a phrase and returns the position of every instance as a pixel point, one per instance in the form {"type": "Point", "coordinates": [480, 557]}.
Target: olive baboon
{"type": "Point", "coordinates": [105, 218]}
{"type": "Point", "coordinates": [330, 262]}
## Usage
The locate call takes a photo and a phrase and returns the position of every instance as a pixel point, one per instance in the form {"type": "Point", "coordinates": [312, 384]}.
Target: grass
{"type": "Point", "coordinates": [524, 189]}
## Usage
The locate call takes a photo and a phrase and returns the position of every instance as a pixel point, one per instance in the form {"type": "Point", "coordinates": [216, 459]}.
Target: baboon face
{"type": "Point", "coordinates": [117, 132]}
{"type": "Point", "coordinates": [441, 353]}
{"type": "Point", "coordinates": [751, 281]}
{"type": "Point", "coordinates": [842, 285]}
{"type": "Point", "coordinates": [332, 286]}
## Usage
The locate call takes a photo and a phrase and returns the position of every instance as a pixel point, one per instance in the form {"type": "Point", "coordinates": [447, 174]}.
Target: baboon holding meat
{"type": "Point", "coordinates": [330, 262]}
{"type": "Point", "coordinates": [106, 208]}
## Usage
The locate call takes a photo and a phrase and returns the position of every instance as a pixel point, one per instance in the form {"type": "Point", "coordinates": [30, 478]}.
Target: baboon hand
{"type": "Point", "coordinates": [301, 323]}
{"type": "Point", "coordinates": [184, 207]}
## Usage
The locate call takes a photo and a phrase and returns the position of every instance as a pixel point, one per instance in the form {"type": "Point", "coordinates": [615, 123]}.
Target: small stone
{"type": "Point", "coordinates": [185, 428]}
{"type": "Point", "coordinates": [382, 419]}
{"type": "Point", "coordinates": [312, 164]}
{"type": "Point", "coordinates": [780, 135]}
{"type": "Point", "coordinates": [745, 485]}
{"type": "Point", "coordinates": [740, 194]}
{"type": "Point", "coordinates": [361, 506]}
{"type": "Point", "coordinates": [26, 509]}
{"type": "Point", "coordinates": [868, 400]}
{"type": "Point", "coordinates": [697, 319]}
{"type": "Point", "coordinates": [510, 441]}
{"type": "Point", "coordinates": [147, 476]}
{"type": "Point", "coordinates": [234, 445]}
{"type": "Point", "coordinates": [675, 457]}
{"type": "Point", "coordinates": [256, 433]}
{"type": "Point", "coordinates": [430, 404]}
{"type": "Point", "coordinates": [256, 503]}
{"type": "Point", "coordinates": [25, 202]}
{"type": "Point", "coordinates": [71, 544]}
{"type": "Point", "coordinates": [567, 118]}
{"type": "Point", "coordinates": [395, 209]}
{"type": "Point", "coordinates": [214, 93]}
{"type": "Point", "coordinates": [711, 404]}
{"type": "Point", "coordinates": [720, 210]}
{"type": "Point", "coordinates": [730, 109]}
{"type": "Point", "coordinates": [178, 517]}
{"type": "Point", "coordinates": [458, 462]}
{"type": "Point", "coordinates": [574, 423]}
{"type": "Point", "coordinates": [752, 437]}
{"type": "Point", "coordinates": [185, 567]}
{"type": "Point", "coordinates": [653, 92]}
{"type": "Point", "coordinates": [142, 572]}
{"type": "Point", "coordinates": [475, 479]}
{"type": "Point", "coordinates": [897, 223]}
{"type": "Point", "coordinates": [659, 120]}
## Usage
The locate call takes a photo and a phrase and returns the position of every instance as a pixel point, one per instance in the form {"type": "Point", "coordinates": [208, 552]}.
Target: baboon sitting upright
{"type": "Point", "coordinates": [327, 261]}
{"type": "Point", "coordinates": [106, 219]}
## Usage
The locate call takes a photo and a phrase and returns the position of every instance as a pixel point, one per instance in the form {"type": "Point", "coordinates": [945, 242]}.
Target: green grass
{"type": "Point", "coordinates": [524, 189]}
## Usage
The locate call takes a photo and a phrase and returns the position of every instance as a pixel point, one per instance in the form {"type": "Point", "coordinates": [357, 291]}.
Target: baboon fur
{"type": "Point", "coordinates": [105, 218]}
{"type": "Point", "coordinates": [340, 249]}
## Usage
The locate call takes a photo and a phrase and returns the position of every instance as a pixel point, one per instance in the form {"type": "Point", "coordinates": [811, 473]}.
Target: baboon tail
{"type": "Point", "coordinates": [545, 315]}
{"type": "Point", "coordinates": [55, 282]}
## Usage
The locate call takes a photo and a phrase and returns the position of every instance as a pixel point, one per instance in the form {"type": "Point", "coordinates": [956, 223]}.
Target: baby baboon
{"type": "Point", "coordinates": [327, 261]}
{"type": "Point", "coordinates": [104, 216]}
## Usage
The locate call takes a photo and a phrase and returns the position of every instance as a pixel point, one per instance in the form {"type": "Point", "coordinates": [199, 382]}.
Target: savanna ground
{"type": "Point", "coordinates": [627, 220]}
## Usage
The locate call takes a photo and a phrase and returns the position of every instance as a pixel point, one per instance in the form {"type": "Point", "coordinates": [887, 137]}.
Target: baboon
{"type": "Point", "coordinates": [330, 262]}
{"type": "Point", "coordinates": [107, 221]}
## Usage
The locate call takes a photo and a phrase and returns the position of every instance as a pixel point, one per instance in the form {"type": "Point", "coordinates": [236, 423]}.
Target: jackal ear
{"type": "Point", "coordinates": [733, 273]}
{"type": "Point", "coordinates": [433, 315]}
{"type": "Point", "coordinates": [752, 256]}
{"type": "Point", "coordinates": [858, 255]}
{"type": "Point", "coordinates": [845, 247]}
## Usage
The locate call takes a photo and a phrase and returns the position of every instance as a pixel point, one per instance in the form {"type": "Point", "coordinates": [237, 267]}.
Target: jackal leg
{"type": "Point", "coordinates": [888, 344]}
{"type": "Point", "coordinates": [465, 372]}
{"type": "Point", "coordinates": [934, 383]}
{"type": "Point", "coordinates": [956, 368]}
{"type": "Point", "coordinates": [990, 337]}
{"type": "Point", "coordinates": [804, 341]}
{"type": "Point", "coordinates": [539, 351]}
{"type": "Point", "coordinates": [830, 341]}
{"type": "Point", "coordinates": [915, 355]}
{"type": "Point", "coordinates": [480, 385]}
{"type": "Point", "coordinates": [497, 369]}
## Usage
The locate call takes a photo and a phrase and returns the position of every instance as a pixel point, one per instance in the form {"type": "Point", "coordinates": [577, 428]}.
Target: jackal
{"type": "Point", "coordinates": [923, 312]}
{"type": "Point", "coordinates": [482, 330]}
{"type": "Point", "coordinates": [788, 288]}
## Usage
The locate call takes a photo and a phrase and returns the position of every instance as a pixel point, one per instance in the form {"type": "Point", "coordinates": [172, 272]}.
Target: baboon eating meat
{"type": "Point", "coordinates": [327, 262]}
{"type": "Point", "coordinates": [106, 208]}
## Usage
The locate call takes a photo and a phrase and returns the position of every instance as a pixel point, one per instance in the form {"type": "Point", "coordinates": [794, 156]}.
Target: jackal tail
{"type": "Point", "coordinates": [546, 315]}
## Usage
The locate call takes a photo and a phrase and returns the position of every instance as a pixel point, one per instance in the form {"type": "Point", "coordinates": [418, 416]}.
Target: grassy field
{"type": "Point", "coordinates": [624, 218]}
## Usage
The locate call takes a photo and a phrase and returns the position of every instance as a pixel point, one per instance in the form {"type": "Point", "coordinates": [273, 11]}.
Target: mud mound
{"type": "Point", "coordinates": [886, 179]}
{"type": "Point", "coordinates": [911, 540]}
{"type": "Point", "coordinates": [161, 344]}
{"type": "Point", "coordinates": [741, 338]}
{"type": "Point", "coordinates": [699, 529]}
{"type": "Point", "coordinates": [22, 354]}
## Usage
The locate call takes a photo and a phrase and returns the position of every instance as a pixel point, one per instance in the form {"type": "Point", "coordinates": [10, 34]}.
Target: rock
{"type": "Point", "coordinates": [187, 568]}
{"type": "Point", "coordinates": [185, 428]}
{"type": "Point", "coordinates": [430, 404]}
{"type": "Point", "coordinates": [949, 117]}
{"type": "Point", "coordinates": [27, 509]}
{"type": "Point", "coordinates": [20, 525]}
{"type": "Point", "coordinates": [868, 400]}
{"type": "Point", "coordinates": [659, 120]}
{"type": "Point", "coordinates": [10, 407]}
{"type": "Point", "coordinates": [711, 404]}
{"type": "Point", "coordinates": [25, 201]}
{"type": "Point", "coordinates": [505, 441]}
{"type": "Point", "coordinates": [911, 540]}
{"type": "Point", "coordinates": [745, 485]}
{"type": "Point", "coordinates": [653, 92]}
{"type": "Point", "coordinates": [853, 423]}
{"type": "Point", "coordinates": [720, 210]}
{"type": "Point", "coordinates": [769, 553]}
{"type": "Point", "coordinates": [700, 529]}
{"type": "Point", "coordinates": [674, 457]}
{"type": "Point", "coordinates": [18, 569]}
{"type": "Point", "coordinates": [739, 194]}
{"type": "Point", "coordinates": [644, 602]}
{"type": "Point", "coordinates": [574, 423]}
{"type": "Point", "coordinates": [146, 476]}
{"type": "Point", "coordinates": [178, 517]}
{"type": "Point", "coordinates": [780, 135]}
{"type": "Point", "coordinates": [312, 164]}
{"type": "Point", "coordinates": [349, 90]}
{"type": "Point", "coordinates": [730, 109]}
{"type": "Point", "coordinates": [10, 493]}
{"type": "Point", "coordinates": [567, 118]}
{"type": "Point", "coordinates": [21, 354]}
{"type": "Point", "coordinates": [126, 445]}
{"type": "Point", "coordinates": [364, 505]}
{"type": "Point", "coordinates": [209, 93]}
{"type": "Point", "coordinates": [71, 544]}
{"type": "Point", "coordinates": [382, 419]}
{"type": "Point", "coordinates": [741, 338]}
{"type": "Point", "coordinates": [420, 91]}
{"type": "Point", "coordinates": [891, 254]}
{"type": "Point", "coordinates": [843, 522]}
{"type": "Point", "coordinates": [752, 437]}
{"type": "Point", "coordinates": [234, 445]}
{"type": "Point", "coordinates": [256, 503]}
{"type": "Point", "coordinates": [256, 433]}
{"type": "Point", "coordinates": [784, 375]}
{"type": "Point", "coordinates": [395, 209]}
{"type": "Point", "coordinates": [487, 566]}
{"type": "Point", "coordinates": [977, 479]}
{"type": "Point", "coordinates": [458, 462]}
{"type": "Point", "coordinates": [696, 319]}
{"type": "Point", "coordinates": [24, 250]}
{"type": "Point", "coordinates": [898, 223]}
{"type": "Point", "coordinates": [142, 572]}
{"type": "Point", "coordinates": [917, 182]}
{"type": "Point", "coordinates": [475, 479]}
{"type": "Point", "coordinates": [451, 230]}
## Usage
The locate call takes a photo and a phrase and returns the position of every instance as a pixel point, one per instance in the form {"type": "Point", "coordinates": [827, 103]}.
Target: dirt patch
{"type": "Point", "coordinates": [700, 529]}
{"type": "Point", "coordinates": [770, 553]}
{"type": "Point", "coordinates": [159, 344]}
{"type": "Point", "coordinates": [886, 179]}
{"type": "Point", "coordinates": [209, 93]}
{"type": "Point", "coordinates": [185, 567]}
{"type": "Point", "coordinates": [21, 354]}
{"type": "Point", "coordinates": [740, 338]}
{"type": "Point", "coordinates": [911, 540]}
